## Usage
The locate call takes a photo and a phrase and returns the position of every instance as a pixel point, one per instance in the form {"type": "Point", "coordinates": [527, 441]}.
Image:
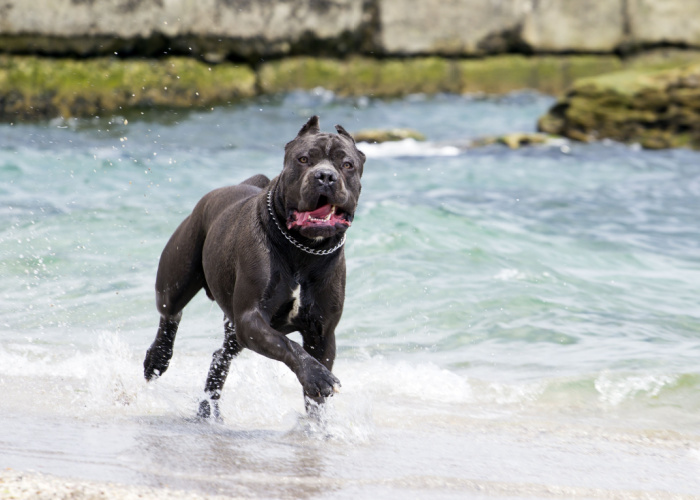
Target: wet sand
{"type": "Point", "coordinates": [16, 485]}
{"type": "Point", "coordinates": [173, 458]}
{"type": "Point", "coordinates": [30, 485]}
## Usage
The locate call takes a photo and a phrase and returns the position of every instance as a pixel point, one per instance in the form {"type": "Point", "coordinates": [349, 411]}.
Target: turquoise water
{"type": "Point", "coordinates": [517, 322]}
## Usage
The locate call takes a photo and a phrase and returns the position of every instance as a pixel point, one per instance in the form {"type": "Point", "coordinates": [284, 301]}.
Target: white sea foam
{"type": "Point", "coordinates": [423, 381]}
{"type": "Point", "coordinates": [405, 148]}
{"type": "Point", "coordinates": [509, 274]}
{"type": "Point", "coordinates": [387, 408]}
{"type": "Point", "coordinates": [263, 394]}
{"type": "Point", "coordinates": [614, 389]}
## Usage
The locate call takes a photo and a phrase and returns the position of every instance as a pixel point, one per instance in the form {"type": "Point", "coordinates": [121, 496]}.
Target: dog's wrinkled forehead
{"type": "Point", "coordinates": [321, 142]}
{"type": "Point", "coordinates": [310, 138]}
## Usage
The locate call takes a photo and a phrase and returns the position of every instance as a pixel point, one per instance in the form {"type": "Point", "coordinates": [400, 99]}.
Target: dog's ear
{"type": "Point", "coordinates": [344, 132]}
{"type": "Point", "coordinates": [310, 127]}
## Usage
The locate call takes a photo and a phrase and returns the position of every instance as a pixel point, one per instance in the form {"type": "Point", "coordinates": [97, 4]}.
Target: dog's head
{"type": "Point", "coordinates": [321, 180]}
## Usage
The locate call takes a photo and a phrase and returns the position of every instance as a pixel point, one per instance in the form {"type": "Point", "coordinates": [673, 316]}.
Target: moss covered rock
{"type": "Point", "coordinates": [34, 87]}
{"type": "Point", "coordinates": [387, 135]}
{"type": "Point", "coordinates": [430, 75]}
{"type": "Point", "coordinates": [361, 76]}
{"type": "Point", "coordinates": [514, 140]}
{"type": "Point", "coordinates": [657, 108]}
{"type": "Point", "coordinates": [548, 74]}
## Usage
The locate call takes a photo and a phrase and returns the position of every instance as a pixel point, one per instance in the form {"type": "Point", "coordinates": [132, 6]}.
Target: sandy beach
{"type": "Point", "coordinates": [30, 485]}
{"type": "Point", "coordinates": [16, 485]}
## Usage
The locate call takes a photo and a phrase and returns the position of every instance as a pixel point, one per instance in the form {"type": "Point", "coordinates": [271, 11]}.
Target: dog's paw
{"type": "Point", "coordinates": [156, 362]}
{"type": "Point", "coordinates": [318, 381]}
{"type": "Point", "coordinates": [209, 408]}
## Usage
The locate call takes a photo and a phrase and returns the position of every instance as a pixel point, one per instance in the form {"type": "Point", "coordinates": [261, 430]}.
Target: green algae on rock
{"type": "Point", "coordinates": [656, 108]}
{"type": "Point", "coordinates": [35, 88]}
{"type": "Point", "coordinates": [548, 74]}
{"type": "Point", "coordinates": [399, 77]}
{"type": "Point", "coordinates": [360, 76]}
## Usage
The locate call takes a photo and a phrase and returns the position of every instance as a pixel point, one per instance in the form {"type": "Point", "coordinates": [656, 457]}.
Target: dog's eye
{"type": "Point", "coordinates": [303, 159]}
{"type": "Point", "coordinates": [347, 165]}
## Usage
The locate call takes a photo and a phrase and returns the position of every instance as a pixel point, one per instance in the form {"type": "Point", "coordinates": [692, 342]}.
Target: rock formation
{"type": "Point", "coordinates": [249, 30]}
{"type": "Point", "coordinates": [658, 109]}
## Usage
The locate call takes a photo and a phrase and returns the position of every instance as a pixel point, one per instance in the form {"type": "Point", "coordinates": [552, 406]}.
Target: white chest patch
{"type": "Point", "coordinates": [296, 297]}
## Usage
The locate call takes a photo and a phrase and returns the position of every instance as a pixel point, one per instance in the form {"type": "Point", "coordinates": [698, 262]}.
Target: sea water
{"type": "Point", "coordinates": [518, 323]}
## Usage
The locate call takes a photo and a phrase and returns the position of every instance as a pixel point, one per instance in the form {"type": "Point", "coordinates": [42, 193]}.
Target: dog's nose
{"type": "Point", "coordinates": [326, 177]}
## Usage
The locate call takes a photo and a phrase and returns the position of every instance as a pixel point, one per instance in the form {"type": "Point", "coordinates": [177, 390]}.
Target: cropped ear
{"type": "Point", "coordinates": [344, 132]}
{"type": "Point", "coordinates": [310, 127]}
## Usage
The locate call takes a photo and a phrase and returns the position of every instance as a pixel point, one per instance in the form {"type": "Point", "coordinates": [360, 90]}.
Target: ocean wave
{"type": "Point", "coordinates": [615, 389]}
{"type": "Point", "coordinates": [261, 393]}
{"type": "Point", "coordinates": [407, 148]}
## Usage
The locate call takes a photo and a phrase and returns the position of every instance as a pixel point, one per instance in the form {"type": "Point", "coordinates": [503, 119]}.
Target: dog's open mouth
{"type": "Point", "coordinates": [326, 215]}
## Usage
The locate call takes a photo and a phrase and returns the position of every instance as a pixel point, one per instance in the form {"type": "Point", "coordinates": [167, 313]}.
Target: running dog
{"type": "Point", "coordinates": [270, 253]}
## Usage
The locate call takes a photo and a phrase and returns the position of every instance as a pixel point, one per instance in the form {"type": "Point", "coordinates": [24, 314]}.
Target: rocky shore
{"type": "Point", "coordinates": [39, 88]}
{"type": "Point", "coordinates": [83, 58]}
{"type": "Point", "coordinates": [34, 87]}
{"type": "Point", "coordinates": [656, 108]}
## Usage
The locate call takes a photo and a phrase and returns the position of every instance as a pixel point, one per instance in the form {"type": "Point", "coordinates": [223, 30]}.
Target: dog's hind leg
{"type": "Point", "coordinates": [159, 354]}
{"type": "Point", "coordinates": [179, 278]}
{"type": "Point", "coordinates": [218, 371]}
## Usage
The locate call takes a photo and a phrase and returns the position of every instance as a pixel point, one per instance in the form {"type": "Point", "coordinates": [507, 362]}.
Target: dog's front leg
{"type": "Point", "coordinates": [321, 346]}
{"type": "Point", "coordinates": [254, 332]}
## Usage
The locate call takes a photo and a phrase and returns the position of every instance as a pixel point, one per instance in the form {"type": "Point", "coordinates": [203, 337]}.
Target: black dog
{"type": "Point", "coordinates": [270, 253]}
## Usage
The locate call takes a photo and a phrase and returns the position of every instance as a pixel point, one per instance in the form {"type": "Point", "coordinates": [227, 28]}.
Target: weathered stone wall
{"type": "Point", "coordinates": [268, 20]}
{"type": "Point", "coordinates": [216, 27]}
{"type": "Point", "coordinates": [654, 22]}
{"type": "Point", "coordinates": [576, 26]}
{"type": "Point", "coordinates": [260, 28]}
{"type": "Point", "coordinates": [447, 27]}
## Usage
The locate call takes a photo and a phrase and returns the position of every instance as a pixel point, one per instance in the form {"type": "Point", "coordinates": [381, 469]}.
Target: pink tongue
{"type": "Point", "coordinates": [302, 219]}
{"type": "Point", "coordinates": [320, 213]}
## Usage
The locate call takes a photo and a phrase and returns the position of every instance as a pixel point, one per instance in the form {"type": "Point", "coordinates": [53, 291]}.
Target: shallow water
{"type": "Point", "coordinates": [518, 323]}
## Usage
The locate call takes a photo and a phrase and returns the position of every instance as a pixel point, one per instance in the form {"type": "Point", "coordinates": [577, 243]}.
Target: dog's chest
{"type": "Point", "coordinates": [296, 304]}
{"type": "Point", "coordinates": [290, 306]}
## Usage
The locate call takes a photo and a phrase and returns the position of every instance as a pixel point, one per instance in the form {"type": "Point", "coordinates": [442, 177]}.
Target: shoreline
{"type": "Point", "coordinates": [40, 88]}
{"type": "Point", "coordinates": [20, 485]}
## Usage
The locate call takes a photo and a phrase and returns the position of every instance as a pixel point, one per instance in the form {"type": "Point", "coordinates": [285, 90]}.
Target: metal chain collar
{"type": "Point", "coordinates": [294, 242]}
